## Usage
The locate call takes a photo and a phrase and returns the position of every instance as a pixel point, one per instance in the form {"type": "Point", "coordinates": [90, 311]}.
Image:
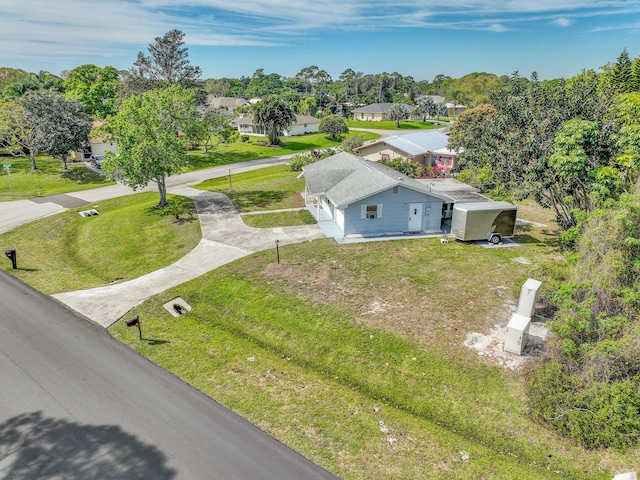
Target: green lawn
{"type": "Point", "coordinates": [354, 356]}
{"type": "Point", "coordinates": [279, 219]}
{"type": "Point", "coordinates": [49, 179]}
{"type": "Point", "coordinates": [129, 238]}
{"type": "Point", "coordinates": [253, 149]}
{"type": "Point", "coordinates": [391, 125]}
{"type": "Point", "coordinates": [269, 188]}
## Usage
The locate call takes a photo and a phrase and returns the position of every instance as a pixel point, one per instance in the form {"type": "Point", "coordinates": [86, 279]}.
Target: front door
{"type": "Point", "coordinates": [415, 216]}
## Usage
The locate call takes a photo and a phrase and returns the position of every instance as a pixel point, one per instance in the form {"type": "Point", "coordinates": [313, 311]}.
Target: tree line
{"type": "Point", "coordinates": [574, 146]}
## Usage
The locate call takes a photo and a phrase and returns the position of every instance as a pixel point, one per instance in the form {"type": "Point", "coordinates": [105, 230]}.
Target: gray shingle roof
{"type": "Point", "coordinates": [381, 108]}
{"type": "Point", "coordinates": [345, 178]}
{"type": "Point", "coordinates": [414, 143]}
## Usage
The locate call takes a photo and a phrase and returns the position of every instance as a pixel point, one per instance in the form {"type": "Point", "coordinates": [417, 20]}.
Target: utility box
{"type": "Point", "coordinates": [517, 332]}
{"type": "Point", "coordinates": [483, 221]}
{"type": "Point", "coordinates": [529, 297]}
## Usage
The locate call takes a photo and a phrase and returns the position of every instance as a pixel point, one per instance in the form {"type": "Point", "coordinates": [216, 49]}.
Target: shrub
{"type": "Point", "coordinates": [349, 143]}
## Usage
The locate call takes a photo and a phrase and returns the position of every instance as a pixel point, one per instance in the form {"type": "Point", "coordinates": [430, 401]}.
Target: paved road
{"type": "Point", "coordinates": [19, 212]}
{"type": "Point", "coordinates": [76, 404]}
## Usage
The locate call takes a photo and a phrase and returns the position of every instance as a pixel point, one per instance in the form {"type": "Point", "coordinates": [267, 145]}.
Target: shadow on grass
{"type": "Point", "coordinates": [35, 446]}
{"type": "Point", "coordinates": [152, 341]}
{"type": "Point", "coordinates": [182, 209]}
{"type": "Point", "coordinates": [520, 238]}
{"type": "Point", "coordinates": [82, 175]}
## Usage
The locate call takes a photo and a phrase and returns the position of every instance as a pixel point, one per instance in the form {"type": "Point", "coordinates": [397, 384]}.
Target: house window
{"type": "Point", "coordinates": [395, 189]}
{"type": "Point", "coordinates": [371, 211]}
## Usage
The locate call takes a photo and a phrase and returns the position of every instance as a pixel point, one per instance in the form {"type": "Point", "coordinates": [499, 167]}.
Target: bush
{"type": "Point", "coordinates": [349, 143]}
{"type": "Point", "coordinates": [244, 138]}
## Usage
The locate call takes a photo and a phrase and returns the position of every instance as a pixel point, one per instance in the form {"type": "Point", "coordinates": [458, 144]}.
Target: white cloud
{"type": "Point", "coordinates": [563, 22]}
{"type": "Point", "coordinates": [497, 27]}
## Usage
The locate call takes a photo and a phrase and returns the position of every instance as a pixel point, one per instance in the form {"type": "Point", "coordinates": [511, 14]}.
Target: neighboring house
{"type": "Point", "coordinates": [228, 103]}
{"type": "Point", "coordinates": [303, 124]}
{"type": "Point", "coordinates": [96, 148]}
{"type": "Point", "coordinates": [367, 198]}
{"type": "Point", "coordinates": [378, 112]}
{"type": "Point", "coordinates": [427, 148]}
{"type": "Point", "coordinates": [454, 109]}
{"type": "Point", "coordinates": [437, 99]}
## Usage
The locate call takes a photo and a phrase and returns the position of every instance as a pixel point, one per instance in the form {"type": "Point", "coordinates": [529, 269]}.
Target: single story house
{"type": "Point", "coordinates": [437, 99]}
{"type": "Point", "coordinates": [378, 112]}
{"type": "Point", "coordinates": [454, 109]}
{"type": "Point", "coordinates": [227, 103]}
{"type": "Point", "coordinates": [303, 124]}
{"type": "Point", "coordinates": [427, 148]}
{"type": "Point", "coordinates": [367, 198]}
{"type": "Point", "coordinates": [96, 148]}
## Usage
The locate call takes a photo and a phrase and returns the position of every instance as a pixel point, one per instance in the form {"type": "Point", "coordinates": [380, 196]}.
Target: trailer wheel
{"type": "Point", "coordinates": [495, 239]}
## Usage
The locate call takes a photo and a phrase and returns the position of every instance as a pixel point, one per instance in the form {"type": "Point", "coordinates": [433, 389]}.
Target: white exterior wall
{"type": "Point", "coordinates": [302, 129]}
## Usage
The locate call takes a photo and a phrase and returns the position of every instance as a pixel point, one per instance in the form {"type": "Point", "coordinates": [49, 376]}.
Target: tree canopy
{"type": "Point", "coordinates": [275, 115]}
{"type": "Point", "coordinates": [94, 87]}
{"type": "Point", "coordinates": [333, 126]}
{"type": "Point", "coordinates": [152, 131]}
{"type": "Point", "coordinates": [166, 64]}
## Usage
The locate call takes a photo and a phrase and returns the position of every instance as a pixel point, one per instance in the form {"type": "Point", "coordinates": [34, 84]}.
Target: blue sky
{"type": "Point", "coordinates": [232, 38]}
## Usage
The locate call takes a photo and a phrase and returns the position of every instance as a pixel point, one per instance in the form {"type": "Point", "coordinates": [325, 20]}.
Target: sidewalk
{"type": "Point", "coordinates": [225, 238]}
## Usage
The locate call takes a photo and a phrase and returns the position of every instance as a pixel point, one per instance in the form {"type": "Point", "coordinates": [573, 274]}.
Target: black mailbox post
{"type": "Point", "coordinates": [134, 322]}
{"type": "Point", "coordinates": [11, 255]}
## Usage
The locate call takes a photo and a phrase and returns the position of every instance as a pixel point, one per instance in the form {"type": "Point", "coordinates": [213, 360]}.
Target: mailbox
{"type": "Point", "coordinates": [11, 255]}
{"type": "Point", "coordinates": [133, 322]}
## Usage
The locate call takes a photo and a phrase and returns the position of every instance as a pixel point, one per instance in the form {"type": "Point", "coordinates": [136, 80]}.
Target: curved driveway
{"type": "Point", "coordinates": [225, 238]}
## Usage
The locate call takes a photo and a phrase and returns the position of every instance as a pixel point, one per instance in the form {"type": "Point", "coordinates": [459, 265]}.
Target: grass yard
{"type": "Point", "coordinates": [279, 219]}
{"type": "Point", "coordinates": [269, 188]}
{"type": "Point", "coordinates": [129, 238]}
{"type": "Point", "coordinates": [49, 179]}
{"type": "Point", "coordinates": [391, 125]}
{"type": "Point", "coordinates": [254, 148]}
{"type": "Point", "coordinates": [354, 355]}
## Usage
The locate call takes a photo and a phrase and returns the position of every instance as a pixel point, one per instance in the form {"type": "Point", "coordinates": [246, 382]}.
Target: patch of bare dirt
{"type": "Point", "coordinates": [491, 346]}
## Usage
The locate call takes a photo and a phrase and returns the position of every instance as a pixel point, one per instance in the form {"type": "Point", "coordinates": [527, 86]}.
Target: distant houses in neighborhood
{"type": "Point", "coordinates": [428, 148]}
{"type": "Point", "coordinates": [303, 124]}
{"type": "Point", "coordinates": [378, 112]}
{"type": "Point", "coordinates": [96, 148]}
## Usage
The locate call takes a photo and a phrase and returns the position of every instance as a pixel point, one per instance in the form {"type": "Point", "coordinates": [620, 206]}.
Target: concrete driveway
{"type": "Point", "coordinates": [225, 238]}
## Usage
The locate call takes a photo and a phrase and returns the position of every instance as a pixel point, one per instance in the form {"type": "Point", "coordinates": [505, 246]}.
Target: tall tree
{"type": "Point", "coordinates": [167, 64]}
{"type": "Point", "coordinates": [397, 113]}
{"type": "Point", "coordinates": [275, 115]}
{"type": "Point", "coordinates": [43, 122]}
{"type": "Point", "coordinates": [153, 131]}
{"type": "Point", "coordinates": [518, 142]}
{"type": "Point", "coordinates": [622, 74]}
{"type": "Point", "coordinates": [18, 135]}
{"type": "Point", "coordinates": [94, 87]}
{"type": "Point", "coordinates": [425, 107]}
{"type": "Point", "coordinates": [62, 123]}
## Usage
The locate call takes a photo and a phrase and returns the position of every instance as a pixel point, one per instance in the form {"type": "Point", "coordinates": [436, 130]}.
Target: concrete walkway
{"type": "Point", "coordinates": [225, 238]}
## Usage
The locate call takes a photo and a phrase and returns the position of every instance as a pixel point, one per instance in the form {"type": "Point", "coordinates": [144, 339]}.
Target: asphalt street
{"type": "Point", "coordinates": [77, 404]}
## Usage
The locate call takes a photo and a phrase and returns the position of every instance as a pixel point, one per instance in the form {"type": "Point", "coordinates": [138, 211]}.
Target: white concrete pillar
{"type": "Point", "coordinates": [528, 297]}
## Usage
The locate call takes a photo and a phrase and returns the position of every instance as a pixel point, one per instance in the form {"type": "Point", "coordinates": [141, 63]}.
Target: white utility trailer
{"type": "Point", "coordinates": [491, 221]}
